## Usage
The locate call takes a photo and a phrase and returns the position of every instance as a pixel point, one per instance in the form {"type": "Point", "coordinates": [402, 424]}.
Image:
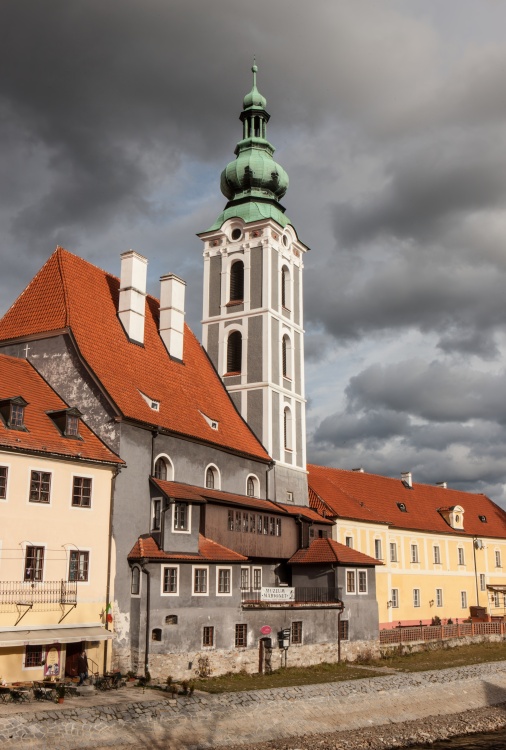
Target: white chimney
{"type": "Point", "coordinates": [132, 295]}
{"type": "Point", "coordinates": [406, 478]}
{"type": "Point", "coordinates": [172, 290]}
{"type": "Point", "coordinates": [359, 469]}
{"type": "Point", "coordinates": [442, 485]}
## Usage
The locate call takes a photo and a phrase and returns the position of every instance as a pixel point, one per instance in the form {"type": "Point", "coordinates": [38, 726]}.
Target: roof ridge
{"type": "Point", "coordinates": [59, 257]}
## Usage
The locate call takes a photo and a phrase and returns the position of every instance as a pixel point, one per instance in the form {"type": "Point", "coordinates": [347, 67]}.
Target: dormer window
{"type": "Point", "coordinates": [402, 507]}
{"type": "Point", "coordinates": [454, 516]}
{"type": "Point", "coordinates": [67, 421]}
{"type": "Point", "coordinates": [13, 412]}
{"type": "Point", "coordinates": [483, 519]}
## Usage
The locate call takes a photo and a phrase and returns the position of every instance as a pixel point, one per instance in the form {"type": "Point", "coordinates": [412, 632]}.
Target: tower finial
{"type": "Point", "coordinates": [254, 70]}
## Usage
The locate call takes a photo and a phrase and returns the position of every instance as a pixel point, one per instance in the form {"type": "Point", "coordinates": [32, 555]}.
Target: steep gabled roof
{"type": "Point", "coordinates": [70, 293]}
{"type": "Point", "coordinates": [329, 551]}
{"type": "Point", "coordinates": [19, 378]}
{"type": "Point", "coordinates": [209, 551]}
{"type": "Point", "coordinates": [370, 497]}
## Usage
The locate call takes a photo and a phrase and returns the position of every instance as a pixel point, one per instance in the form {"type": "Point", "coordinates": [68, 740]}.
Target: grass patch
{"type": "Point", "coordinates": [444, 658]}
{"type": "Point", "coordinates": [289, 677]}
{"type": "Point", "coordinates": [460, 656]}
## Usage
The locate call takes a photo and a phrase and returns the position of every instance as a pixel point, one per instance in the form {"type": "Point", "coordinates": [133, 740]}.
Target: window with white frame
{"type": "Point", "coordinates": [349, 541]}
{"type": "Point", "coordinates": [498, 559]}
{"type": "Point", "coordinates": [212, 478]}
{"type": "Point", "coordinates": [245, 579]}
{"type": "Point", "coordinates": [257, 579]}
{"type": "Point", "coordinates": [170, 580]}
{"type": "Point", "coordinates": [378, 553]}
{"type": "Point", "coordinates": [79, 565]}
{"type": "Point", "coordinates": [237, 281]}
{"type": "Point", "coordinates": [414, 553]}
{"type": "Point", "coordinates": [395, 598]}
{"type": "Point", "coordinates": [34, 563]}
{"type": "Point", "coordinates": [362, 581]}
{"type": "Point", "coordinates": [163, 468]}
{"type": "Point", "coordinates": [40, 487]}
{"type": "Point", "coordinates": [285, 288]}
{"type": "Point", "coordinates": [439, 597]}
{"type": "Point", "coordinates": [351, 585]}
{"type": "Point", "coordinates": [3, 482]}
{"type": "Point", "coordinates": [81, 492]}
{"type": "Point", "coordinates": [156, 517]}
{"type": "Point", "coordinates": [252, 486]}
{"type": "Point", "coordinates": [181, 517]}
{"type": "Point", "coordinates": [393, 551]}
{"type": "Point", "coordinates": [461, 555]}
{"type": "Point", "coordinates": [200, 578]}
{"type": "Point", "coordinates": [437, 554]}
{"type": "Point", "coordinates": [286, 357]}
{"type": "Point", "coordinates": [483, 583]}
{"type": "Point", "coordinates": [234, 353]}
{"type": "Point", "coordinates": [463, 599]}
{"type": "Point", "coordinates": [416, 597]}
{"type": "Point", "coordinates": [34, 656]}
{"type": "Point", "coordinates": [224, 581]}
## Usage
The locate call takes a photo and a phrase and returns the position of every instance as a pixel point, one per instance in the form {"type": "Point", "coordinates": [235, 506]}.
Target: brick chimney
{"type": "Point", "coordinates": [172, 291]}
{"type": "Point", "coordinates": [132, 295]}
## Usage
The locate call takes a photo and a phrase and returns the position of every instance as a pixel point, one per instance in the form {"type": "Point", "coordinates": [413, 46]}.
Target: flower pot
{"type": "Point", "coordinates": [60, 700]}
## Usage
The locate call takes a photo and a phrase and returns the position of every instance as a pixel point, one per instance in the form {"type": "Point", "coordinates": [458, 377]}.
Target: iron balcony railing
{"type": "Point", "coordinates": [310, 595]}
{"type": "Point", "coordinates": [38, 592]}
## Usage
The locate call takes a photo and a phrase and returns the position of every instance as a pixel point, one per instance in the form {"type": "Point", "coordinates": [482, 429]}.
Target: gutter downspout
{"type": "Point", "coordinates": [109, 560]}
{"type": "Point", "coordinates": [154, 435]}
{"type": "Point", "coordinates": [148, 605]}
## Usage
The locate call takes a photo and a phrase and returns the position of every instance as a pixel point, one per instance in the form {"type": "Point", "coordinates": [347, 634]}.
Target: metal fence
{"type": "Point", "coordinates": [420, 633]}
{"type": "Point", "coordinates": [38, 592]}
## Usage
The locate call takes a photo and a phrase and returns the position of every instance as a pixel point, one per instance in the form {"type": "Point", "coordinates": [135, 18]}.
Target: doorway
{"type": "Point", "coordinates": [72, 651]}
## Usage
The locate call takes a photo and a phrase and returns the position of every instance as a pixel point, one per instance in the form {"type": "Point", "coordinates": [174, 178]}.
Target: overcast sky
{"type": "Point", "coordinates": [117, 117]}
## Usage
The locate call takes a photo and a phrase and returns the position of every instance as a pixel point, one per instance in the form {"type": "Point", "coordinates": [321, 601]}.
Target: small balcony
{"type": "Point", "coordinates": [28, 593]}
{"type": "Point", "coordinates": [292, 597]}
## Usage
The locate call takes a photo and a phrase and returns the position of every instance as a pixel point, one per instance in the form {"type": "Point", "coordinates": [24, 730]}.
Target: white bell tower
{"type": "Point", "coordinates": [252, 318]}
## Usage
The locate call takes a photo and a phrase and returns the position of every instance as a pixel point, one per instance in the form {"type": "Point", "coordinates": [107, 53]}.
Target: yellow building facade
{"type": "Point", "coordinates": [55, 554]}
{"type": "Point", "coordinates": [427, 573]}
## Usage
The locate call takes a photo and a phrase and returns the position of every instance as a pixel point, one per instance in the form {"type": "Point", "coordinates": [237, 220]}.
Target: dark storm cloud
{"type": "Point", "coordinates": [437, 391]}
{"type": "Point", "coordinates": [371, 428]}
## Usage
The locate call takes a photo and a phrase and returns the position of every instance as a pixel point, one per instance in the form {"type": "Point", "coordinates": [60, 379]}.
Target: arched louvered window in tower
{"type": "Point", "coordinates": [237, 281]}
{"type": "Point", "coordinates": [285, 288]}
{"type": "Point", "coordinates": [287, 428]}
{"type": "Point", "coordinates": [161, 469]}
{"type": "Point", "coordinates": [234, 352]}
{"type": "Point", "coordinates": [286, 354]}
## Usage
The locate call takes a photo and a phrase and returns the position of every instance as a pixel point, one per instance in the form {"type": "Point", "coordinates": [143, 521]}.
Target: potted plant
{"type": "Point", "coordinates": [60, 692]}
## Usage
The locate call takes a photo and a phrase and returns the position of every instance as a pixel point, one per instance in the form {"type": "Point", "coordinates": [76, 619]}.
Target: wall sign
{"type": "Point", "coordinates": [52, 663]}
{"type": "Point", "coordinates": [266, 629]}
{"type": "Point", "coordinates": [277, 594]}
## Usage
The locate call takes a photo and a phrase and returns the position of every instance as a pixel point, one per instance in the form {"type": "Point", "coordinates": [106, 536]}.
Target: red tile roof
{"type": "Point", "coordinates": [311, 515]}
{"type": "Point", "coordinates": [329, 551]}
{"type": "Point", "coordinates": [70, 293]}
{"type": "Point", "coordinates": [19, 378]}
{"type": "Point", "coordinates": [370, 497]}
{"type": "Point", "coordinates": [194, 494]}
{"type": "Point", "coordinates": [209, 551]}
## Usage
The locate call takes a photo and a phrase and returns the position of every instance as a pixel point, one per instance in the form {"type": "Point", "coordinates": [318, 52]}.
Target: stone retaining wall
{"type": "Point", "coordinates": [211, 720]}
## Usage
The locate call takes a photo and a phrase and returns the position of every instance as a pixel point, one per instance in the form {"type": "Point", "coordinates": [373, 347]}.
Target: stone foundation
{"type": "Point", "coordinates": [190, 665]}
{"type": "Point", "coordinates": [416, 646]}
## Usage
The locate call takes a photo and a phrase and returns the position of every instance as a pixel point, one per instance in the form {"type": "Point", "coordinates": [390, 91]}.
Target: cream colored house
{"type": "Point", "coordinates": [55, 556]}
{"type": "Point", "coordinates": [443, 551]}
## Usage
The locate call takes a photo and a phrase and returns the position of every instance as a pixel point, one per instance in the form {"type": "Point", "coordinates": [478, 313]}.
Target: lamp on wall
{"type": "Point", "coordinates": [431, 603]}
{"type": "Point", "coordinates": [389, 603]}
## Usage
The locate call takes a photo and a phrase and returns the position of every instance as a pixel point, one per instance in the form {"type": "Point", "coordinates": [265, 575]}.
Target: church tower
{"type": "Point", "coordinates": [252, 320]}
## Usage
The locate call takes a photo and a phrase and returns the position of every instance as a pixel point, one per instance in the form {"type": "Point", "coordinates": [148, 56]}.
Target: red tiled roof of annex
{"type": "Point", "coordinates": [330, 551]}
{"type": "Point", "coordinates": [70, 293]}
{"type": "Point", "coordinates": [209, 551]}
{"type": "Point", "coordinates": [370, 497]}
{"type": "Point", "coordinates": [19, 378]}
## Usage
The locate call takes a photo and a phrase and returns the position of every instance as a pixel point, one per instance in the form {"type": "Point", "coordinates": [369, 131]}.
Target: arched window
{"type": "Point", "coordinates": [212, 478]}
{"type": "Point", "coordinates": [285, 288]}
{"type": "Point", "coordinates": [237, 281]}
{"type": "Point", "coordinates": [234, 352]}
{"type": "Point", "coordinates": [252, 487]}
{"type": "Point", "coordinates": [161, 468]}
{"type": "Point", "coordinates": [136, 581]}
{"type": "Point", "coordinates": [286, 355]}
{"type": "Point", "coordinates": [287, 428]}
